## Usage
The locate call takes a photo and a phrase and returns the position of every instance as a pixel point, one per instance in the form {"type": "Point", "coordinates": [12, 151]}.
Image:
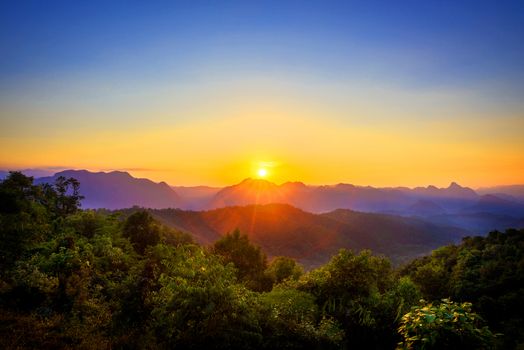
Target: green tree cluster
{"type": "Point", "coordinates": [486, 271]}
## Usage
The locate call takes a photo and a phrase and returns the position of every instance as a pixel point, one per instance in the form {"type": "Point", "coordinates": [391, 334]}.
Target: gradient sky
{"type": "Point", "coordinates": [365, 92]}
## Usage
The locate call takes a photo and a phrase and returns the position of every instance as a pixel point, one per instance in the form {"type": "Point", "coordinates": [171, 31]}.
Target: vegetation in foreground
{"type": "Point", "coordinates": [84, 279]}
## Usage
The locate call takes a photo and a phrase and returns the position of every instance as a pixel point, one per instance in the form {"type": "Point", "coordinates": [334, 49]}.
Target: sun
{"type": "Point", "coordinates": [262, 172]}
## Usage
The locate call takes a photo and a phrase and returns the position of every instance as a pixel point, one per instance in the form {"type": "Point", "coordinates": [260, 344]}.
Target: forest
{"type": "Point", "coordinates": [88, 279]}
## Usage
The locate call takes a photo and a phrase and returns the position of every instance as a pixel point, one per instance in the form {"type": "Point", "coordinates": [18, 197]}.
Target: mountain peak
{"type": "Point", "coordinates": [119, 172]}
{"type": "Point", "coordinates": [454, 185]}
{"type": "Point", "coordinates": [72, 171]}
{"type": "Point", "coordinates": [295, 184]}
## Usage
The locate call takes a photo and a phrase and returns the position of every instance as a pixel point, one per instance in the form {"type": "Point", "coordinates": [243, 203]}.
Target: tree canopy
{"type": "Point", "coordinates": [73, 278]}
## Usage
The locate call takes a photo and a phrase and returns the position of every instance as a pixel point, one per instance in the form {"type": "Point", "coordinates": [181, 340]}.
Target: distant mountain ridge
{"type": "Point", "coordinates": [327, 198]}
{"type": "Point", "coordinates": [281, 229]}
{"type": "Point", "coordinates": [514, 191]}
{"type": "Point", "coordinates": [118, 189]}
{"type": "Point", "coordinates": [319, 199]}
{"type": "Point", "coordinates": [196, 197]}
{"type": "Point", "coordinates": [454, 205]}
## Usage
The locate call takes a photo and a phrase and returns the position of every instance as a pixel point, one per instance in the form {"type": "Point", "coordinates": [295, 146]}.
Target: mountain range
{"type": "Point", "coordinates": [510, 192]}
{"type": "Point", "coordinates": [473, 212]}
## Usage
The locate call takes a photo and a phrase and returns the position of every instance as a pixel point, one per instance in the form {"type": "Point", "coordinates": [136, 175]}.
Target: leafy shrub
{"type": "Point", "coordinates": [447, 325]}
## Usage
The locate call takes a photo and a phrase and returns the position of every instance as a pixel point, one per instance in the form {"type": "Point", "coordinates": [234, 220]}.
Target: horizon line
{"type": "Point", "coordinates": [53, 170]}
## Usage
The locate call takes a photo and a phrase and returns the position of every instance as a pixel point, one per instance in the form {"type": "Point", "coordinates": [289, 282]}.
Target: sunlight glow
{"type": "Point", "coordinates": [262, 172]}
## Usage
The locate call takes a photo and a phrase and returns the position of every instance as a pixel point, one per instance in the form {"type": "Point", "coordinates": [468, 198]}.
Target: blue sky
{"type": "Point", "coordinates": [69, 67]}
{"type": "Point", "coordinates": [411, 42]}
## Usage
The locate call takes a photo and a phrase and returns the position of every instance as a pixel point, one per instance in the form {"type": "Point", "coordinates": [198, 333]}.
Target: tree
{"type": "Point", "coordinates": [282, 268]}
{"type": "Point", "coordinates": [359, 291]}
{"type": "Point", "coordinates": [67, 195]}
{"type": "Point", "coordinates": [198, 303]}
{"type": "Point", "coordinates": [290, 320]}
{"type": "Point", "coordinates": [142, 230]}
{"type": "Point", "coordinates": [487, 271]}
{"type": "Point", "coordinates": [23, 219]}
{"type": "Point", "coordinates": [249, 260]}
{"type": "Point", "coordinates": [17, 193]}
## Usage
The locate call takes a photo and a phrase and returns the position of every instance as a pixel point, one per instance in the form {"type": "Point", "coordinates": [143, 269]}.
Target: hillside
{"type": "Point", "coordinates": [311, 238]}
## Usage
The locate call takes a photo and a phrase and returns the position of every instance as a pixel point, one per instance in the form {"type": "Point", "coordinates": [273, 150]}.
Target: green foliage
{"type": "Point", "coordinates": [433, 273]}
{"type": "Point", "coordinates": [292, 321]}
{"type": "Point", "coordinates": [72, 278]}
{"type": "Point", "coordinates": [283, 268]}
{"type": "Point", "coordinates": [198, 302]}
{"type": "Point", "coordinates": [174, 237]}
{"type": "Point", "coordinates": [487, 271]}
{"type": "Point", "coordinates": [363, 295]}
{"type": "Point", "coordinates": [66, 196]}
{"type": "Point", "coordinates": [27, 212]}
{"type": "Point", "coordinates": [447, 325]}
{"type": "Point", "coordinates": [248, 259]}
{"type": "Point", "coordinates": [22, 217]}
{"type": "Point", "coordinates": [142, 230]}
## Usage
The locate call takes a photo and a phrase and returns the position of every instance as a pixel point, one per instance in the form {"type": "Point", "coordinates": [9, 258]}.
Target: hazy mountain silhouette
{"type": "Point", "coordinates": [117, 189]}
{"type": "Point", "coordinates": [319, 199]}
{"type": "Point", "coordinates": [33, 172]}
{"type": "Point", "coordinates": [424, 207]}
{"type": "Point", "coordinates": [452, 206]}
{"type": "Point", "coordinates": [196, 197]}
{"type": "Point", "coordinates": [494, 204]}
{"type": "Point", "coordinates": [454, 190]}
{"type": "Point", "coordinates": [256, 191]}
{"type": "Point", "coordinates": [281, 229]}
{"type": "Point", "coordinates": [515, 191]}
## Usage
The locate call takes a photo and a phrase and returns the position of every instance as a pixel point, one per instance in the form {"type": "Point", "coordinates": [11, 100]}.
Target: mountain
{"type": "Point", "coordinates": [497, 204]}
{"type": "Point", "coordinates": [454, 205]}
{"type": "Point", "coordinates": [454, 190]}
{"type": "Point", "coordinates": [117, 189]}
{"type": "Point", "coordinates": [255, 191]}
{"type": "Point", "coordinates": [281, 229]}
{"type": "Point", "coordinates": [196, 197]}
{"type": "Point", "coordinates": [478, 223]}
{"type": "Point", "coordinates": [516, 191]}
{"type": "Point", "coordinates": [320, 199]}
{"type": "Point", "coordinates": [424, 207]}
{"type": "Point", "coordinates": [34, 172]}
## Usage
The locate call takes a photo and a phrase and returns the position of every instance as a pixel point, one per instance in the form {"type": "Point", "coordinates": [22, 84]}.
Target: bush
{"type": "Point", "coordinates": [447, 325]}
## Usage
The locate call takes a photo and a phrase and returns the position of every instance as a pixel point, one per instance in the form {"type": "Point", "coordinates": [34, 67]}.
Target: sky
{"type": "Point", "coordinates": [382, 93]}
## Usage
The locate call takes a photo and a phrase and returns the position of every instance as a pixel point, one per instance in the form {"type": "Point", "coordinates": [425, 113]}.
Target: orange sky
{"type": "Point", "coordinates": [292, 141]}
